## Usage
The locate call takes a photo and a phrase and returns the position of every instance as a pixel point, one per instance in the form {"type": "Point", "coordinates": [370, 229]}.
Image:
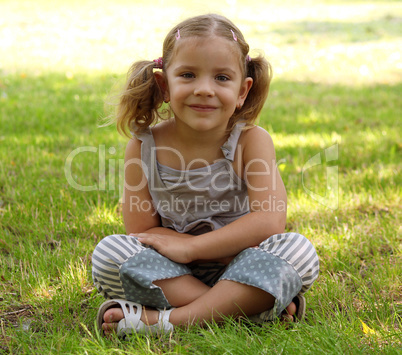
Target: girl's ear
{"type": "Point", "coordinates": [244, 90]}
{"type": "Point", "coordinates": [162, 83]}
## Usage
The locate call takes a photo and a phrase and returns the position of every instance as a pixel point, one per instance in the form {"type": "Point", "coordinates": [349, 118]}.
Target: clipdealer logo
{"type": "Point", "coordinates": [107, 178]}
{"type": "Point", "coordinates": [184, 178]}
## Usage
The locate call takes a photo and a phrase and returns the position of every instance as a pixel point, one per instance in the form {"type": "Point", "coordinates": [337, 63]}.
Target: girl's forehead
{"type": "Point", "coordinates": [212, 46]}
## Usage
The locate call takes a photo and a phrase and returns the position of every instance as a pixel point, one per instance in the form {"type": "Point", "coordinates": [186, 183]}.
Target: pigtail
{"type": "Point", "coordinates": [140, 100]}
{"type": "Point", "coordinates": [260, 71]}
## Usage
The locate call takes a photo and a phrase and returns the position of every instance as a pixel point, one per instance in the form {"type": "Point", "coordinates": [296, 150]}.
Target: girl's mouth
{"type": "Point", "coordinates": [203, 108]}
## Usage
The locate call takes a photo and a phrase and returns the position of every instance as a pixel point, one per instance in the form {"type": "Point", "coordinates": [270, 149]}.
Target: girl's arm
{"type": "Point", "coordinates": [138, 212]}
{"type": "Point", "coordinates": [267, 201]}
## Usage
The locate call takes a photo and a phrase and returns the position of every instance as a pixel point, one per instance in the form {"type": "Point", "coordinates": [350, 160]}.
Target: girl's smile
{"type": "Point", "coordinates": [203, 108]}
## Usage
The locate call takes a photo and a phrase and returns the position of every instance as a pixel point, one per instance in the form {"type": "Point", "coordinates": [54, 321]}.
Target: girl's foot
{"type": "Point", "coordinates": [296, 310]}
{"type": "Point", "coordinates": [150, 317]}
{"type": "Point", "coordinates": [115, 314]}
{"type": "Point", "coordinates": [289, 313]}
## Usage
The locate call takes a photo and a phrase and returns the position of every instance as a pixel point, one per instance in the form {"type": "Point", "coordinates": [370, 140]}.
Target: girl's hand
{"type": "Point", "coordinates": [175, 248]}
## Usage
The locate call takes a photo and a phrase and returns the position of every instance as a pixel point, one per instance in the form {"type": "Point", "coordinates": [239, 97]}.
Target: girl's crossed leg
{"type": "Point", "coordinates": [198, 303]}
{"type": "Point", "coordinates": [121, 262]}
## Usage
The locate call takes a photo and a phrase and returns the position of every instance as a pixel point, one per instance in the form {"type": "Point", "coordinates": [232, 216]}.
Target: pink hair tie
{"type": "Point", "coordinates": [178, 34]}
{"type": "Point", "coordinates": [234, 35]}
{"type": "Point", "coordinates": [158, 63]}
{"type": "Point", "coordinates": [248, 59]}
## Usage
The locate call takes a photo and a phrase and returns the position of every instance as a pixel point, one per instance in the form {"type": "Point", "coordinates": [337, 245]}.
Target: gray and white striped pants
{"type": "Point", "coordinates": [282, 265]}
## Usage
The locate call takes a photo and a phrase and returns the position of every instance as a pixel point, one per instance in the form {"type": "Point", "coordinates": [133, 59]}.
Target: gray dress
{"type": "Point", "coordinates": [197, 201]}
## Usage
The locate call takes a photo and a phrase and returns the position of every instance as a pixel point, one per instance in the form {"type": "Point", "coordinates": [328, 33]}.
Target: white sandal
{"type": "Point", "coordinates": [132, 323]}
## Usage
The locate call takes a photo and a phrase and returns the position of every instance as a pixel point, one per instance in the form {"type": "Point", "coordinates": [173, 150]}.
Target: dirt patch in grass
{"type": "Point", "coordinates": [12, 316]}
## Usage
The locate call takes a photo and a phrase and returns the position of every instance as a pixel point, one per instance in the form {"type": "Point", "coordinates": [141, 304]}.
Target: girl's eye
{"type": "Point", "coordinates": [187, 75]}
{"type": "Point", "coordinates": [222, 78]}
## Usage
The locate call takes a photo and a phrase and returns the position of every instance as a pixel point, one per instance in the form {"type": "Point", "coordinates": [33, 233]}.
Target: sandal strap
{"type": "Point", "coordinates": [163, 322]}
{"type": "Point", "coordinates": [131, 323]}
{"type": "Point", "coordinates": [300, 303]}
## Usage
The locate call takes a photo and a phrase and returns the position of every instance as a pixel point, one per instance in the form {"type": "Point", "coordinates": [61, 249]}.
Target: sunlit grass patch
{"type": "Point", "coordinates": [352, 43]}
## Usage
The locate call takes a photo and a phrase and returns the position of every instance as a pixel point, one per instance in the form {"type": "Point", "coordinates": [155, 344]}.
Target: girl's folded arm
{"type": "Point", "coordinates": [138, 212]}
{"type": "Point", "coordinates": [267, 202]}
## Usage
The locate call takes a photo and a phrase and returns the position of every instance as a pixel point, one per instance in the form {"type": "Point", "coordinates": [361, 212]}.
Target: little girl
{"type": "Point", "coordinates": [204, 205]}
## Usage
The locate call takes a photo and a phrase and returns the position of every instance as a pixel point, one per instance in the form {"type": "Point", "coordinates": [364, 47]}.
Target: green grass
{"type": "Point", "coordinates": [337, 84]}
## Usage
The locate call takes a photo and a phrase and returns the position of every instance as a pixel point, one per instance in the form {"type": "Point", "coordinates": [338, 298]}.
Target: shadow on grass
{"type": "Point", "coordinates": [306, 107]}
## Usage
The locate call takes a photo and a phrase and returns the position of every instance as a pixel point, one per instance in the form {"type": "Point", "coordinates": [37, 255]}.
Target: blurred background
{"type": "Point", "coordinates": [347, 42]}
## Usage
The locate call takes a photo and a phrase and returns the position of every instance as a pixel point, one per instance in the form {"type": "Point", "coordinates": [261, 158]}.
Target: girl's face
{"type": "Point", "coordinates": [205, 82]}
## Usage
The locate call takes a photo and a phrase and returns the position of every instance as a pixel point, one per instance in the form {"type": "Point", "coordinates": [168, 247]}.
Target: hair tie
{"type": "Point", "coordinates": [234, 35]}
{"type": "Point", "coordinates": [248, 59]}
{"type": "Point", "coordinates": [158, 63]}
{"type": "Point", "coordinates": [178, 35]}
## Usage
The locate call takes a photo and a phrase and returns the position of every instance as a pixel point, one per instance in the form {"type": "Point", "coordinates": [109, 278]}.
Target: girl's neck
{"type": "Point", "coordinates": [190, 145]}
{"type": "Point", "coordinates": [198, 139]}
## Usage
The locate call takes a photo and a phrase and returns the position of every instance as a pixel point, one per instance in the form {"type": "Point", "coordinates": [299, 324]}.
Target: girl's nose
{"type": "Point", "coordinates": [204, 88]}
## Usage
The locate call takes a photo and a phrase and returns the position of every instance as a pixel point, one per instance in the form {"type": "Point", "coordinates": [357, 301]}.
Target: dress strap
{"type": "Point", "coordinates": [148, 144]}
{"type": "Point", "coordinates": [147, 149]}
{"type": "Point", "coordinates": [143, 135]}
{"type": "Point", "coordinates": [229, 148]}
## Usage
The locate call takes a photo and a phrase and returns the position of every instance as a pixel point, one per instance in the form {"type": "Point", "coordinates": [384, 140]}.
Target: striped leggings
{"type": "Point", "coordinates": [282, 265]}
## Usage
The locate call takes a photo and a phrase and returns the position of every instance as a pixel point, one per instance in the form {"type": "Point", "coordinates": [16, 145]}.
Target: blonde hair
{"type": "Point", "coordinates": [141, 102]}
